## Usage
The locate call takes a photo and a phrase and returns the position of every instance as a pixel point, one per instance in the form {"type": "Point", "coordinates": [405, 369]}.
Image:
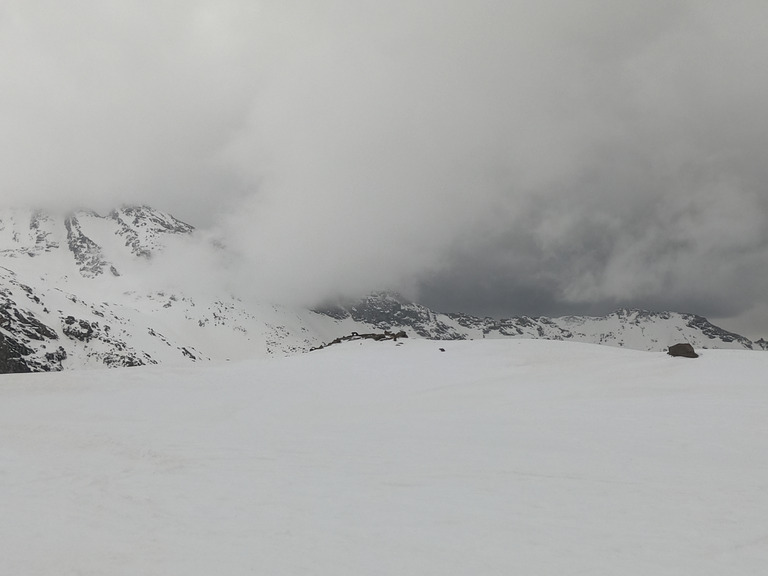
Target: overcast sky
{"type": "Point", "coordinates": [495, 157]}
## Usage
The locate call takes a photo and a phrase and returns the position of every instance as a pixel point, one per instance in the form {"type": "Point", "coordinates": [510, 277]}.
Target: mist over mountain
{"type": "Point", "coordinates": [137, 286]}
{"type": "Point", "coordinates": [351, 287]}
{"type": "Point", "coordinates": [541, 158]}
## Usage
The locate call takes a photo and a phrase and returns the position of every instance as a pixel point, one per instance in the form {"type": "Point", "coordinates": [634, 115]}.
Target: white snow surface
{"type": "Point", "coordinates": [493, 457]}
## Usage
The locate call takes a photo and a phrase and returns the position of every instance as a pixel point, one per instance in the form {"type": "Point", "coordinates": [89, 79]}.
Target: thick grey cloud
{"type": "Point", "coordinates": [109, 102]}
{"type": "Point", "coordinates": [497, 157]}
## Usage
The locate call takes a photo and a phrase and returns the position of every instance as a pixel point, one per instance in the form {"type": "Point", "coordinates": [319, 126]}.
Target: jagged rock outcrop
{"type": "Point", "coordinates": [141, 227]}
{"type": "Point", "coordinates": [12, 356]}
{"type": "Point", "coordinates": [714, 332]}
{"type": "Point", "coordinates": [389, 310]}
{"type": "Point", "coordinates": [24, 339]}
{"type": "Point", "coordinates": [87, 253]}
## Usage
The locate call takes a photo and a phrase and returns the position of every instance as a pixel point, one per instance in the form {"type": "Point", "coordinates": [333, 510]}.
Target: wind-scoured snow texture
{"type": "Point", "coordinates": [378, 458]}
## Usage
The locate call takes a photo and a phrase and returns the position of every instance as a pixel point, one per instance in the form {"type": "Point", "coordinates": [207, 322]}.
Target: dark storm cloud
{"type": "Point", "coordinates": [696, 244]}
{"type": "Point", "coordinates": [501, 157]}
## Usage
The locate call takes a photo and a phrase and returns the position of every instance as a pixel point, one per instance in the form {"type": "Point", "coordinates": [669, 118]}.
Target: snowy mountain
{"type": "Point", "coordinates": [136, 230]}
{"type": "Point", "coordinates": [630, 328]}
{"type": "Point", "coordinates": [84, 290]}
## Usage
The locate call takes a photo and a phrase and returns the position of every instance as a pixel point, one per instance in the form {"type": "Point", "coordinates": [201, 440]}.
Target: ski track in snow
{"type": "Point", "coordinates": [495, 457]}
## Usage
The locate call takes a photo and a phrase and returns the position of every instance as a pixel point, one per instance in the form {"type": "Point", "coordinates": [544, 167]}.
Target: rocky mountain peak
{"type": "Point", "coordinates": [75, 293]}
{"type": "Point", "coordinates": [142, 226]}
{"type": "Point", "coordinates": [97, 244]}
{"type": "Point", "coordinates": [761, 344]}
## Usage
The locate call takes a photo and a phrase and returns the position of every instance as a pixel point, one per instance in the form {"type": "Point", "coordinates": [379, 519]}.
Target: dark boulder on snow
{"type": "Point", "coordinates": [683, 350]}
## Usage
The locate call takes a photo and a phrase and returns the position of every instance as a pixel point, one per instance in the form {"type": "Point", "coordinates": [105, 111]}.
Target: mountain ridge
{"type": "Point", "coordinates": [83, 290]}
{"type": "Point", "coordinates": [390, 311]}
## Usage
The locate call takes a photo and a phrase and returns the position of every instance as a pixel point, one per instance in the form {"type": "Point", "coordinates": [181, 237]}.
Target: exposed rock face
{"type": "Point", "coordinates": [79, 329]}
{"type": "Point", "coordinates": [682, 350]}
{"type": "Point", "coordinates": [388, 310]}
{"type": "Point", "coordinates": [714, 332]}
{"type": "Point", "coordinates": [23, 336]}
{"type": "Point", "coordinates": [87, 253]}
{"type": "Point", "coordinates": [12, 354]}
{"type": "Point", "coordinates": [141, 226]}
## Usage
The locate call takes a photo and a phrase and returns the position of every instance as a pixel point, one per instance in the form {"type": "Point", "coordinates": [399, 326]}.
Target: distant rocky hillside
{"type": "Point", "coordinates": [637, 329]}
{"type": "Point", "coordinates": [85, 290]}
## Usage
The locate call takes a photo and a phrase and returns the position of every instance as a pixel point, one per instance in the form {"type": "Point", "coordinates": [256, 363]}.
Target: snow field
{"type": "Point", "coordinates": [495, 457]}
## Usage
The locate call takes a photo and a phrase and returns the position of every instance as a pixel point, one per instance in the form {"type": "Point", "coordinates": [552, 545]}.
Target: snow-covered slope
{"type": "Point", "coordinates": [84, 290]}
{"type": "Point", "coordinates": [494, 457]}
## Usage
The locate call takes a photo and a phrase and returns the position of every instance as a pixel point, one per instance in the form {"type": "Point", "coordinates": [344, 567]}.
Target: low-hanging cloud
{"type": "Point", "coordinates": [106, 103]}
{"type": "Point", "coordinates": [497, 157]}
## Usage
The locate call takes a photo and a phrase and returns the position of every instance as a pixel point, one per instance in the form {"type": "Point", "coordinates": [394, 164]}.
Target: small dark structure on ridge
{"type": "Point", "coordinates": [683, 350]}
{"type": "Point", "coordinates": [387, 335]}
